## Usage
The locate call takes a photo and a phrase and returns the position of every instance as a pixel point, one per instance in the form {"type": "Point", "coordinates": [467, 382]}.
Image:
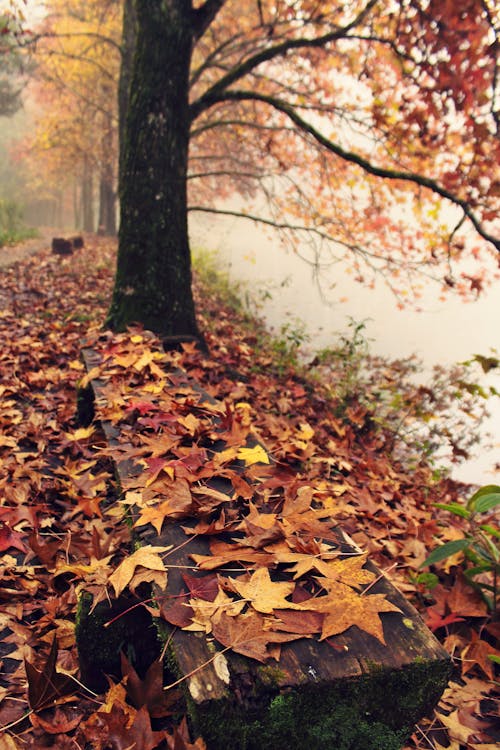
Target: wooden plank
{"type": "Point", "coordinates": [349, 691]}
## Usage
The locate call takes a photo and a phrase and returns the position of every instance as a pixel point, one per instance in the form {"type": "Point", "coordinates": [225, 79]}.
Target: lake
{"type": "Point", "coordinates": [444, 332]}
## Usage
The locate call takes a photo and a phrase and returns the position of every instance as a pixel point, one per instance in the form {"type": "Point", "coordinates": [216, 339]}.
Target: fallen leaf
{"type": "Point", "coordinates": [343, 608]}
{"type": "Point", "coordinates": [145, 557]}
{"type": "Point", "coordinates": [264, 594]}
{"type": "Point", "coordinates": [249, 635]}
{"type": "Point", "coordinates": [254, 455]}
{"type": "Point", "coordinates": [47, 686]}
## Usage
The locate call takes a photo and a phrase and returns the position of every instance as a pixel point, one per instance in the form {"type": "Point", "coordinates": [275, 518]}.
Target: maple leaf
{"type": "Point", "coordinates": [478, 652]}
{"type": "Point", "coordinates": [82, 433]}
{"type": "Point", "coordinates": [148, 692]}
{"type": "Point", "coordinates": [122, 729]}
{"type": "Point", "coordinates": [145, 557]}
{"type": "Point", "coordinates": [9, 538]}
{"type": "Point", "coordinates": [47, 686]}
{"type": "Point", "coordinates": [223, 553]}
{"type": "Point", "coordinates": [156, 515]}
{"type": "Point", "coordinates": [264, 594]}
{"type": "Point", "coordinates": [435, 620]}
{"type": "Point", "coordinates": [202, 587]}
{"type": "Point", "coordinates": [344, 607]}
{"type": "Point", "coordinates": [254, 455]}
{"type": "Point", "coordinates": [178, 503]}
{"type": "Point", "coordinates": [206, 613]}
{"type": "Point", "coordinates": [60, 720]}
{"type": "Point", "coordinates": [349, 571]}
{"type": "Point", "coordinates": [180, 739]}
{"type": "Point", "coordinates": [250, 635]}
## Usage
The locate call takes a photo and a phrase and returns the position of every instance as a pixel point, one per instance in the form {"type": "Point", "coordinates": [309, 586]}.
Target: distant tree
{"type": "Point", "coordinates": [12, 67]}
{"type": "Point", "coordinates": [350, 117]}
{"type": "Point", "coordinates": [75, 140]}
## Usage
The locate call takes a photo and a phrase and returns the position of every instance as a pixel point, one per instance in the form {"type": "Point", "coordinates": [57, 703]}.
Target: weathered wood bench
{"type": "Point", "coordinates": [349, 691]}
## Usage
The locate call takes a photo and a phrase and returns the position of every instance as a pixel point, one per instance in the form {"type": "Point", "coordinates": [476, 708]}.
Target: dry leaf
{"type": "Point", "coordinates": [145, 557]}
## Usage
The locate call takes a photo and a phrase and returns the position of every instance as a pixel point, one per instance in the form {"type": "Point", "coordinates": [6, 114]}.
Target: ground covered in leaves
{"type": "Point", "coordinates": [58, 527]}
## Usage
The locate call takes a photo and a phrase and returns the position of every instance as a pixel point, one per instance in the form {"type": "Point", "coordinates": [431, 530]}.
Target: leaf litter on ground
{"type": "Point", "coordinates": [61, 527]}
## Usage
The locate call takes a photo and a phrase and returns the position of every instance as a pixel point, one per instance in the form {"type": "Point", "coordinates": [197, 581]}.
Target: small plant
{"type": "Point", "coordinates": [480, 545]}
{"type": "Point", "coordinates": [288, 343]}
{"type": "Point", "coordinates": [12, 228]}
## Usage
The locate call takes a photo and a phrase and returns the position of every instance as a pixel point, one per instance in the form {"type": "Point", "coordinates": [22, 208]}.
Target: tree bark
{"type": "Point", "coordinates": [153, 277]}
{"type": "Point", "coordinates": [87, 197]}
{"type": "Point", "coordinates": [129, 39]}
{"type": "Point", "coordinates": [107, 195]}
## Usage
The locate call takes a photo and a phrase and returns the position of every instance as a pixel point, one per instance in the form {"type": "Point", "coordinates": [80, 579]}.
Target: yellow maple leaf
{"type": "Point", "coordinates": [146, 557]}
{"type": "Point", "coordinates": [349, 571]}
{"type": "Point", "coordinates": [93, 374]}
{"type": "Point", "coordinates": [254, 455]}
{"type": "Point", "coordinates": [264, 594]}
{"type": "Point", "coordinates": [81, 434]}
{"type": "Point", "coordinates": [306, 431]}
{"type": "Point", "coordinates": [155, 515]}
{"type": "Point", "coordinates": [206, 613]}
{"type": "Point", "coordinates": [190, 422]}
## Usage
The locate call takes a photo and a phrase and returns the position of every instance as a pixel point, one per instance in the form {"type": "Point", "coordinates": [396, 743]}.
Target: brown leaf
{"type": "Point", "coordinates": [180, 740]}
{"type": "Point", "coordinates": [47, 687]}
{"type": "Point", "coordinates": [344, 607]}
{"type": "Point", "coordinates": [59, 720]}
{"type": "Point", "coordinates": [114, 730]}
{"type": "Point", "coordinates": [301, 623]}
{"type": "Point", "coordinates": [476, 653]}
{"type": "Point", "coordinates": [149, 691]}
{"type": "Point", "coordinates": [264, 594]}
{"type": "Point", "coordinates": [248, 635]}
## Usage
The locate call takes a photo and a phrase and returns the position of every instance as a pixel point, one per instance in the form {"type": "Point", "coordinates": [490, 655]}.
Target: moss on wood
{"type": "Point", "coordinates": [99, 645]}
{"type": "Point", "coordinates": [375, 712]}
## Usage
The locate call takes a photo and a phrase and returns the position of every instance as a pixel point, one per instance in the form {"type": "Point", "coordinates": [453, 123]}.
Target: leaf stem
{"type": "Point", "coordinates": [198, 669]}
{"type": "Point", "coordinates": [17, 721]}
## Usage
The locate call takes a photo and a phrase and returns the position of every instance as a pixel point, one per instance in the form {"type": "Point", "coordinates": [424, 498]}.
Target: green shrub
{"type": "Point", "coordinates": [12, 228]}
{"type": "Point", "coordinates": [480, 544]}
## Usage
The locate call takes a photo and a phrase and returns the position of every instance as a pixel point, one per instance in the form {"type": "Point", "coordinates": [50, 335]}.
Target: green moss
{"type": "Point", "coordinates": [271, 676]}
{"type": "Point", "coordinates": [99, 644]}
{"type": "Point", "coordinates": [375, 712]}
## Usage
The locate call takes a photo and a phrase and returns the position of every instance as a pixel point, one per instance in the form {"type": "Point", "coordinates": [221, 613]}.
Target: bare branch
{"type": "Point", "coordinates": [277, 50]}
{"type": "Point", "coordinates": [361, 161]}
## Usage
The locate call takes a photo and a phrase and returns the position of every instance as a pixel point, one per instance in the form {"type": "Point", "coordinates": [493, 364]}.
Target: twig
{"type": "Point", "coordinates": [198, 669]}
{"type": "Point", "coordinates": [17, 721]}
{"type": "Point", "coordinates": [378, 578]}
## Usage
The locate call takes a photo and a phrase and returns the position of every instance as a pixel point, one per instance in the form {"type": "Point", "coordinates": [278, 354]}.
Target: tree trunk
{"type": "Point", "coordinates": [153, 277]}
{"type": "Point", "coordinates": [87, 197]}
{"type": "Point", "coordinates": [107, 196]}
{"type": "Point", "coordinates": [107, 218]}
{"type": "Point", "coordinates": [129, 39]}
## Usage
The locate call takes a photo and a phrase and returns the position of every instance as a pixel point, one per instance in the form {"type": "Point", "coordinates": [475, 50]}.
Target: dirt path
{"type": "Point", "coordinates": [13, 253]}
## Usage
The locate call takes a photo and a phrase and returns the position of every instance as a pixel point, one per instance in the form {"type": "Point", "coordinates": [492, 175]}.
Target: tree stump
{"type": "Point", "coordinates": [62, 246]}
{"type": "Point", "coordinates": [77, 242]}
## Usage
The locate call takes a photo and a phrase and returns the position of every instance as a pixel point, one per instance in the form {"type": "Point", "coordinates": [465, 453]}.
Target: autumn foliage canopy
{"type": "Point", "coordinates": [371, 128]}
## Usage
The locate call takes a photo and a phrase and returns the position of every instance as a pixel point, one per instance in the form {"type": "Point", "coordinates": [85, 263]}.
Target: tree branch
{"type": "Point", "coordinates": [277, 50]}
{"type": "Point", "coordinates": [361, 161]}
{"type": "Point", "coordinates": [204, 15]}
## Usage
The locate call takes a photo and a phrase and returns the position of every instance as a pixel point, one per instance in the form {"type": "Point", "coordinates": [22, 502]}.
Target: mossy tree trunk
{"type": "Point", "coordinates": [153, 276]}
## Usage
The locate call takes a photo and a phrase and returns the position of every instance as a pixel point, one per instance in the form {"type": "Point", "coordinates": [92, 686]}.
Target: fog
{"type": "Point", "coordinates": [442, 333]}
